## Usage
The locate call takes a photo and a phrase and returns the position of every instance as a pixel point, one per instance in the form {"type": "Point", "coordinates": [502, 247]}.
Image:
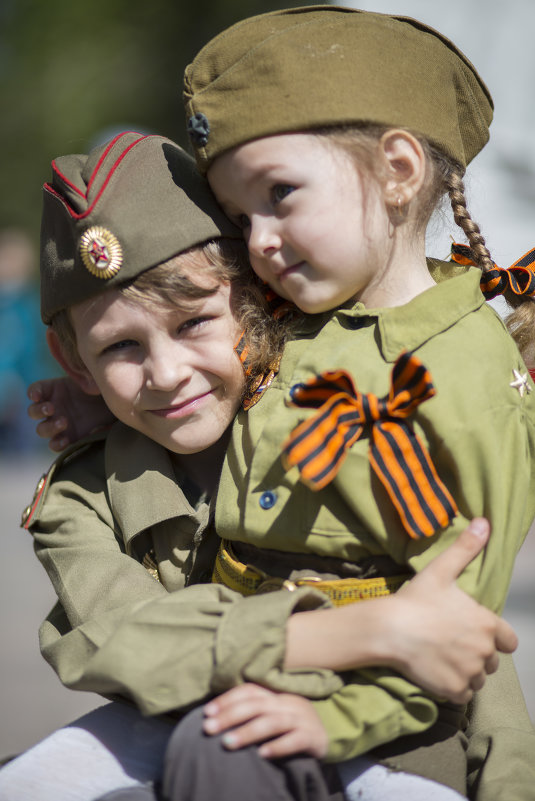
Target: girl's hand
{"type": "Point", "coordinates": [430, 631]}
{"type": "Point", "coordinates": [65, 412]}
{"type": "Point", "coordinates": [448, 642]}
{"type": "Point", "coordinates": [285, 724]}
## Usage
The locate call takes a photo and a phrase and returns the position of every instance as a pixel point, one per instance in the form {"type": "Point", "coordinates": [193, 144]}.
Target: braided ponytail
{"type": "Point", "coordinates": [521, 321]}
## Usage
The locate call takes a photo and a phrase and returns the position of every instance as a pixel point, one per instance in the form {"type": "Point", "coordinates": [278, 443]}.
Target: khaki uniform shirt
{"type": "Point", "coordinates": [116, 630]}
{"type": "Point", "coordinates": [480, 432]}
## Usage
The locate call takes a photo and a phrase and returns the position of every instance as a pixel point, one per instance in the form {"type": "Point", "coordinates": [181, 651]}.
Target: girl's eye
{"type": "Point", "coordinates": [242, 221]}
{"type": "Point", "coordinates": [280, 191]}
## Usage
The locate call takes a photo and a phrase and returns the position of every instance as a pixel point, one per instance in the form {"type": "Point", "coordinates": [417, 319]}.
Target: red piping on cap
{"type": "Point", "coordinates": [80, 216]}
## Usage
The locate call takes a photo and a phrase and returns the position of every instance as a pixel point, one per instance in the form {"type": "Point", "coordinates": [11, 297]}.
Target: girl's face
{"type": "Point", "coordinates": [315, 230]}
{"type": "Point", "coordinates": [170, 374]}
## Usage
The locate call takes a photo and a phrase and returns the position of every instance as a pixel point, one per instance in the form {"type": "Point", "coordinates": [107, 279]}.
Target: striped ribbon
{"type": "Point", "coordinates": [401, 461]}
{"type": "Point", "coordinates": [519, 277]}
{"type": "Point", "coordinates": [278, 308]}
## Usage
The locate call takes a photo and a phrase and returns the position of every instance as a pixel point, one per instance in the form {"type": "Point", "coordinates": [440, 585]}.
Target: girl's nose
{"type": "Point", "coordinates": [263, 237]}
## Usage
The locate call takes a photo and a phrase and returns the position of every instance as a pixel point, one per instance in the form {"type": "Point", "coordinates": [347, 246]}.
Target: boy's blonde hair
{"type": "Point", "coordinates": [172, 284]}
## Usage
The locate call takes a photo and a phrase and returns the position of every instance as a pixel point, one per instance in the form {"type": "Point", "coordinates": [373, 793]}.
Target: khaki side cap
{"type": "Point", "coordinates": [319, 66]}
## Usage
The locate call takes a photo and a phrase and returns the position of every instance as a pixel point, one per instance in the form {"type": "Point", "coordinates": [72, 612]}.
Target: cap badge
{"type": "Point", "coordinates": [101, 252]}
{"type": "Point", "coordinates": [198, 129]}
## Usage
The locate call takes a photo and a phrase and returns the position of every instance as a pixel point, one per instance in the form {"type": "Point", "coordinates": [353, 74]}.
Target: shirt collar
{"type": "Point", "coordinates": [428, 314]}
{"type": "Point", "coordinates": [142, 484]}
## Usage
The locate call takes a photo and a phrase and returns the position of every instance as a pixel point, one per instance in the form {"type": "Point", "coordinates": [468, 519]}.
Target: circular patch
{"type": "Point", "coordinates": [101, 252]}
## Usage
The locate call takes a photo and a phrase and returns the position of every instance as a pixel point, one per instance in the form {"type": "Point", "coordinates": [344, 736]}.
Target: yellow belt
{"type": "Point", "coordinates": [248, 580]}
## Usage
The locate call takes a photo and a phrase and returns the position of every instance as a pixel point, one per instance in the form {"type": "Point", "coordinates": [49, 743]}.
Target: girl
{"type": "Point", "coordinates": [146, 313]}
{"type": "Point", "coordinates": [329, 135]}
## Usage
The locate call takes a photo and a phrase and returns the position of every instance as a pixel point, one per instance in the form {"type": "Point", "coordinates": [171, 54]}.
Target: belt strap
{"type": "Point", "coordinates": [248, 580]}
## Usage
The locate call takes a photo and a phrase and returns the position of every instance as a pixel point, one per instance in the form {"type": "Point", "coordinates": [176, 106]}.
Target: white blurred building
{"type": "Point", "coordinates": [497, 37]}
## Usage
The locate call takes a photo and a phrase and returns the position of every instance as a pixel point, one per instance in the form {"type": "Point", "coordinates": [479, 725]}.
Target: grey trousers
{"type": "Point", "coordinates": [115, 751]}
{"type": "Point", "coordinates": [198, 768]}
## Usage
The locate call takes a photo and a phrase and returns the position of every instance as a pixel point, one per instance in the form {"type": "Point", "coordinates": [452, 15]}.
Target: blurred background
{"type": "Point", "coordinates": [74, 74]}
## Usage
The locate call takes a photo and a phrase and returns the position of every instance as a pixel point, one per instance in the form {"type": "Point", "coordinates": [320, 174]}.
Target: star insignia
{"type": "Point", "coordinates": [520, 383]}
{"type": "Point", "coordinates": [101, 252]}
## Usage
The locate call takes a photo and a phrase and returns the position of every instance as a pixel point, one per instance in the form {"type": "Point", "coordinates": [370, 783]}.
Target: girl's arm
{"type": "Point", "coordinates": [65, 413]}
{"type": "Point", "coordinates": [431, 631]}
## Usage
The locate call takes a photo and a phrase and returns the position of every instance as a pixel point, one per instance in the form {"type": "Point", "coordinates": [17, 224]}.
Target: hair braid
{"type": "Point", "coordinates": [521, 321]}
{"type": "Point", "coordinates": [462, 217]}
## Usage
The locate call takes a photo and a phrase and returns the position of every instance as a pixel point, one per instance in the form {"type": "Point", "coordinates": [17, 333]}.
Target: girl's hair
{"type": "Point", "coordinates": [173, 285]}
{"type": "Point", "coordinates": [444, 176]}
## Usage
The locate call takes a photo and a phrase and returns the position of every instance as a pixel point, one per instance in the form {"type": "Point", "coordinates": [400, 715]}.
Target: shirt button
{"type": "Point", "coordinates": [268, 499]}
{"type": "Point", "coordinates": [355, 322]}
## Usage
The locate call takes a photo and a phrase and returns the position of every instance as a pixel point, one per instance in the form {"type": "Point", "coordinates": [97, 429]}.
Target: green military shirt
{"type": "Point", "coordinates": [104, 503]}
{"type": "Point", "coordinates": [480, 432]}
{"type": "Point", "coordinates": [117, 630]}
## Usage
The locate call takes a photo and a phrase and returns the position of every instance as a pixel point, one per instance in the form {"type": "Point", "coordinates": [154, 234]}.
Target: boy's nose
{"type": "Point", "coordinates": [167, 371]}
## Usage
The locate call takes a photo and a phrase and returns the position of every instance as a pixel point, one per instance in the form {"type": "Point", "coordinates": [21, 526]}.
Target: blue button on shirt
{"type": "Point", "coordinates": [268, 499]}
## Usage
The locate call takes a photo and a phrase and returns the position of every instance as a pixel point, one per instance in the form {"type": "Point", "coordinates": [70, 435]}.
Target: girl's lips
{"type": "Point", "coordinates": [290, 270]}
{"type": "Point", "coordinates": [182, 409]}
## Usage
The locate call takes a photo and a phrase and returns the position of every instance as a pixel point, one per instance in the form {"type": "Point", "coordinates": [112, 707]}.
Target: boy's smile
{"type": "Point", "coordinates": [314, 231]}
{"type": "Point", "coordinates": [171, 374]}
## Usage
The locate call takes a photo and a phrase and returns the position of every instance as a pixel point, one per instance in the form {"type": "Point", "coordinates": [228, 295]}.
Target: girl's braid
{"type": "Point", "coordinates": [461, 215]}
{"type": "Point", "coordinates": [521, 321]}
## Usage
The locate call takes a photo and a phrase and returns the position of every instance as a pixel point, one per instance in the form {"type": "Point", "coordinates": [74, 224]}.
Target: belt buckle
{"type": "Point", "coordinates": [274, 583]}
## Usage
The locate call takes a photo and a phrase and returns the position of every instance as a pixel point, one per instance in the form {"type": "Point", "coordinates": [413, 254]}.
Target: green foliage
{"type": "Point", "coordinates": [73, 73]}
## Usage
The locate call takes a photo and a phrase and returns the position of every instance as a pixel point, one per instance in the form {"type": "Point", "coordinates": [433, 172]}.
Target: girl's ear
{"type": "Point", "coordinates": [405, 163]}
{"type": "Point", "coordinates": [76, 371]}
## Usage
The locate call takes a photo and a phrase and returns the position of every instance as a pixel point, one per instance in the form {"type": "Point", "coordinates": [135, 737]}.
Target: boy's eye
{"type": "Point", "coordinates": [121, 345]}
{"type": "Point", "coordinates": [194, 323]}
{"type": "Point", "coordinates": [280, 191]}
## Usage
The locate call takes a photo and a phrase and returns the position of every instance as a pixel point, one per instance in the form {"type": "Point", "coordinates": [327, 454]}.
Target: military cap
{"type": "Point", "coordinates": [108, 216]}
{"type": "Point", "coordinates": [304, 68]}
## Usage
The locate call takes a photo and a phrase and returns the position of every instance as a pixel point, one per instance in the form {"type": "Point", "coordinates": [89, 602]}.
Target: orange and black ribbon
{"type": "Point", "coordinates": [399, 458]}
{"type": "Point", "coordinates": [278, 308]}
{"type": "Point", "coordinates": [519, 278]}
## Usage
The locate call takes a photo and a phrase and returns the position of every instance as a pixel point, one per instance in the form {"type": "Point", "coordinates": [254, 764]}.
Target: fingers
{"type": "Point", "coordinates": [506, 639]}
{"type": "Point", "coordinates": [491, 664]}
{"type": "Point", "coordinates": [38, 411]}
{"type": "Point", "coordinates": [284, 724]}
{"type": "Point", "coordinates": [235, 707]}
{"type": "Point", "coordinates": [230, 698]}
{"type": "Point", "coordinates": [40, 391]}
{"type": "Point", "coordinates": [35, 392]}
{"type": "Point", "coordinates": [264, 727]}
{"type": "Point", "coordinates": [448, 566]}
{"type": "Point", "coordinates": [293, 742]}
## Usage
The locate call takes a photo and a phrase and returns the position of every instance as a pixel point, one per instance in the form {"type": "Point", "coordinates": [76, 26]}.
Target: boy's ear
{"type": "Point", "coordinates": [77, 372]}
{"type": "Point", "coordinates": [405, 162]}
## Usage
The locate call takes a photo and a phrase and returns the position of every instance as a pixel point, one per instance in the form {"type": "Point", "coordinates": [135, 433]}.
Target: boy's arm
{"type": "Point", "coordinates": [116, 630]}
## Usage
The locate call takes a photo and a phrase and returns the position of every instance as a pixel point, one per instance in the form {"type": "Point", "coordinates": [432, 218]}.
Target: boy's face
{"type": "Point", "coordinates": [315, 233]}
{"type": "Point", "coordinates": [170, 374]}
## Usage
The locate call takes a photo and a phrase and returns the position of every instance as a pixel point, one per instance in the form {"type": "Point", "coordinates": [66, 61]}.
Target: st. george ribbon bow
{"type": "Point", "coordinates": [401, 461]}
{"type": "Point", "coordinates": [519, 277]}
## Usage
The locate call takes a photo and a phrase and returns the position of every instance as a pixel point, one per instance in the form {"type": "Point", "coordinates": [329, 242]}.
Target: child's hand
{"type": "Point", "coordinates": [447, 641]}
{"type": "Point", "coordinates": [285, 724]}
{"type": "Point", "coordinates": [66, 413]}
